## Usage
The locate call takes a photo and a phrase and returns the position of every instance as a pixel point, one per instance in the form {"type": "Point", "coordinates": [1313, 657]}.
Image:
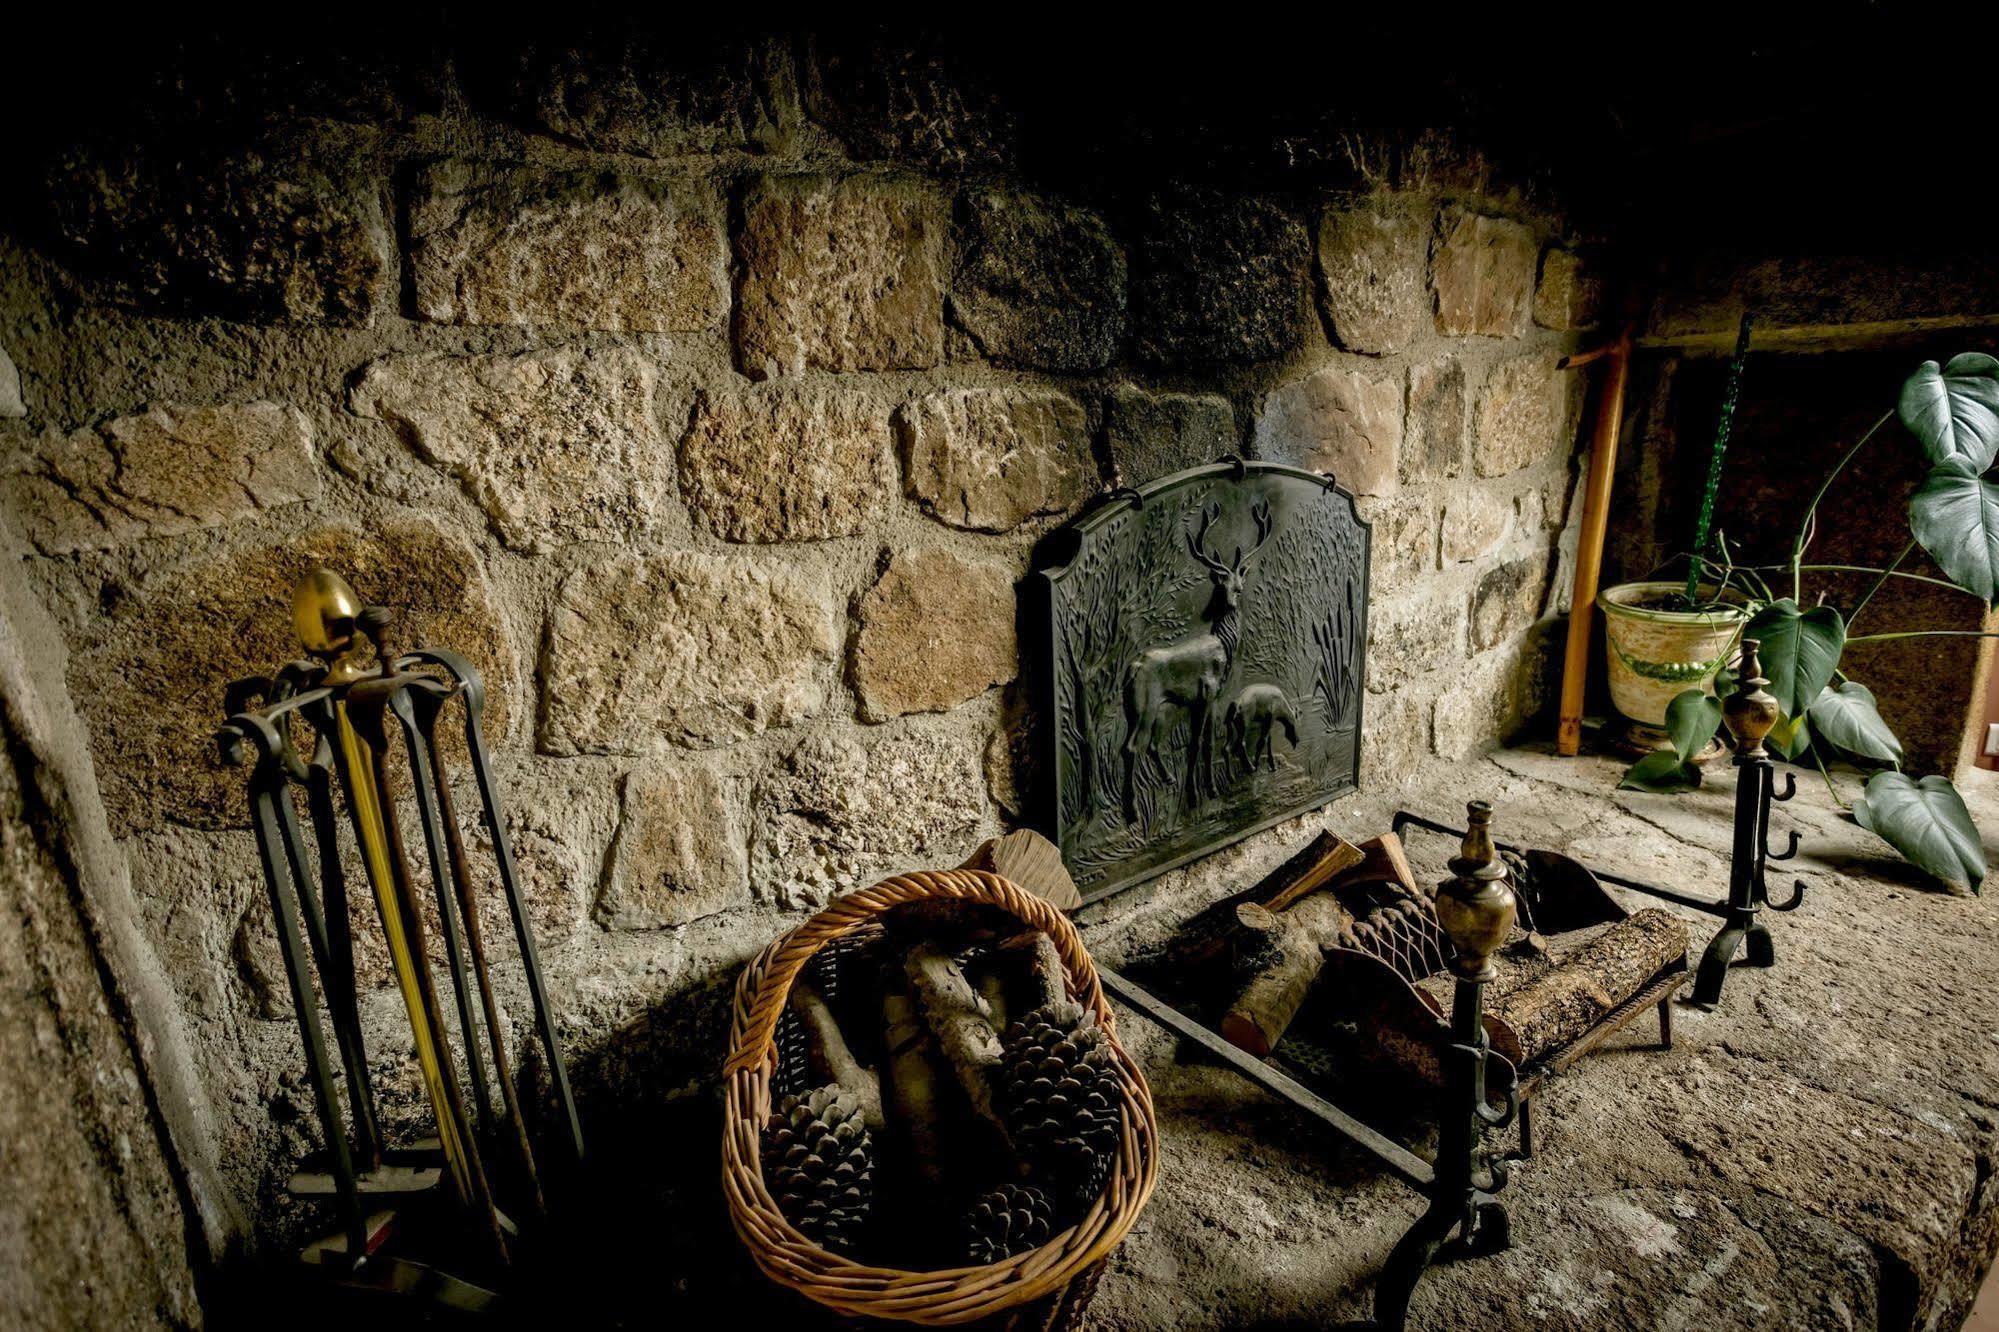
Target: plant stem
{"type": "Point", "coordinates": [1863, 568]}
{"type": "Point", "coordinates": [1828, 780]}
{"type": "Point", "coordinates": [1854, 614]}
{"type": "Point", "coordinates": [1924, 633]}
{"type": "Point", "coordinates": [1811, 510]}
{"type": "Point", "coordinates": [1716, 451]}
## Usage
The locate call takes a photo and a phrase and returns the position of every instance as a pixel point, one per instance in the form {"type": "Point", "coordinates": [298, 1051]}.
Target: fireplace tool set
{"type": "Point", "coordinates": [359, 702]}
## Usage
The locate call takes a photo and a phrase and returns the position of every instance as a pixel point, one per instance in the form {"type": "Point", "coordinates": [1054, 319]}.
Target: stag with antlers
{"type": "Point", "coordinates": [1185, 678]}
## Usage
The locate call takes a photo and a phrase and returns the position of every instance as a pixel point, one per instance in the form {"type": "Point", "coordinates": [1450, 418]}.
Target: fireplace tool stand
{"type": "Point", "coordinates": [1476, 909]}
{"type": "Point", "coordinates": [357, 705]}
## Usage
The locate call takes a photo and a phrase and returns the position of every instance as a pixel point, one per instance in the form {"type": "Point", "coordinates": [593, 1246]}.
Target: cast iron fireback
{"type": "Point", "coordinates": [1208, 638]}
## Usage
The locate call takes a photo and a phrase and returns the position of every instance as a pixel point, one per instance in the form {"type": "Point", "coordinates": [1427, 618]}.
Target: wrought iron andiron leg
{"type": "Point", "coordinates": [1750, 712]}
{"type": "Point", "coordinates": [1476, 908]}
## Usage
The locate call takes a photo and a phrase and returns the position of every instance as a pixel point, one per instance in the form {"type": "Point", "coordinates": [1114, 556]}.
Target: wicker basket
{"type": "Point", "coordinates": [1043, 1286]}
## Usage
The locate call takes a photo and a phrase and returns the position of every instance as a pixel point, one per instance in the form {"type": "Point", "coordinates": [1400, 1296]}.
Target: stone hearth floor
{"type": "Point", "coordinates": [1815, 1153]}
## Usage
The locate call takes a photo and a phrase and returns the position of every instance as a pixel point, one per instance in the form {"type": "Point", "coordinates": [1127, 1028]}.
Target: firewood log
{"type": "Point", "coordinates": [1210, 936]}
{"type": "Point", "coordinates": [912, 1081]}
{"type": "Point", "coordinates": [1045, 980]}
{"type": "Point", "coordinates": [1380, 860]}
{"type": "Point", "coordinates": [958, 1019]}
{"type": "Point", "coordinates": [1029, 861]}
{"type": "Point", "coordinates": [1559, 1006]}
{"type": "Point", "coordinates": [1296, 941]}
{"type": "Point", "coordinates": [830, 1057]}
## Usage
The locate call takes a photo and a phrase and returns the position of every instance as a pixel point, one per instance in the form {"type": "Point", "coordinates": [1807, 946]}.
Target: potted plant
{"type": "Point", "coordinates": [1663, 637]}
{"type": "Point", "coordinates": [1952, 414]}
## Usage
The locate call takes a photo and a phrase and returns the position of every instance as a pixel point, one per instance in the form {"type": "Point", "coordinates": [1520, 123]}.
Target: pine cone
{"type": "Point", "coordinates": [1012, 1219]}
{"type": "Point", "coordinates": [793, 1075]}
{"type": "Point", "coordinates": [1060, 1094]}
{"type": "Point", "coordinates": [819, 1161]}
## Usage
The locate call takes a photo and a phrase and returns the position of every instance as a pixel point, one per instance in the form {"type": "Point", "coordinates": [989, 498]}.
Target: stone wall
{"type": "Point", "coordinates": [713, 410]}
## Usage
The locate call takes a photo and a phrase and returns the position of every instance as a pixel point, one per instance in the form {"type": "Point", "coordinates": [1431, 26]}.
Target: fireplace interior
{"type": "Point", "coordinates": [836, 446]}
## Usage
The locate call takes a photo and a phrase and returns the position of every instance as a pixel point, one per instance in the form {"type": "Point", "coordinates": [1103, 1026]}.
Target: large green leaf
{"type": "Point", "coordinates": [1791, 736]}
{"type": "Point", "coordinates": [1955, 514]}
{"type": "Point", "coordinates": [1691, 720]}
{"type": "Point", "coordinates": [1955, 411]}
{"type": "Point", "coordinates": [1799, 650]}
{"type": "Point", "coordinates": [1662, 773]}
{"type": "Point", "coordinates": [1927, 822]}
{"type": "Point", "coordinates": [1845, 714]}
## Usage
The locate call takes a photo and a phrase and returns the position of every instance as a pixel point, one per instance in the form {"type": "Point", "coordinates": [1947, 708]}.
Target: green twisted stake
{"type": "Point", "coordinates": [1730, 392]}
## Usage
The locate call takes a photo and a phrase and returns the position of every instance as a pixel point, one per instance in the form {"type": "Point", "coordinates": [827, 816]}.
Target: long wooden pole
{"type": "Point", "coordinates": [1589, 541]}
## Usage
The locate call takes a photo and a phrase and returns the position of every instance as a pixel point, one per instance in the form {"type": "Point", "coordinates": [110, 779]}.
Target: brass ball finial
{"type": "Point", "coordinates": [1751, 710]}
{"type": "Point", "coordinates": [1476, 905]}
{"type": "Point", "coordinates": [325, 613]}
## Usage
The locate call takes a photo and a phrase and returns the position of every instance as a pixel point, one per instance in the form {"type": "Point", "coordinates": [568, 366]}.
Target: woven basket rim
{"type": "Point", "coordinates": [947, 1296]}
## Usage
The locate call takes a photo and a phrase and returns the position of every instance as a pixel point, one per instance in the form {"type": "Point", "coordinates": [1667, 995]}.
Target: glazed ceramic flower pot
{"type": "Point", "coordinates": [1657, 653]}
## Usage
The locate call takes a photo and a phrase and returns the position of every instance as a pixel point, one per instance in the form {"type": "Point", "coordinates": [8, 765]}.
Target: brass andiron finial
{"type": "Point", "coordinates": [1476, 907]}
{"type": "Point", "coordinates": [1751, 713]}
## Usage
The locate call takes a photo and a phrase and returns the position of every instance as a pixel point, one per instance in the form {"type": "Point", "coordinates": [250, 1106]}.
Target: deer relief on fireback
{"type": "Point", "coordinates": [1208, 637]}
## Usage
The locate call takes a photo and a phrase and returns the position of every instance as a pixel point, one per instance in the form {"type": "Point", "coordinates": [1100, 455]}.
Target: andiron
{"type": "Point", "coordinates": [1476, 908]}
{"type": "Point", "coordinates": [1749, 712]}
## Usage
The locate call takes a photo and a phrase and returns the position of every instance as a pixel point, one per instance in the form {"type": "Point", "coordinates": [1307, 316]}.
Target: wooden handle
{"type": "Point", "coordinates": [1589, 545]}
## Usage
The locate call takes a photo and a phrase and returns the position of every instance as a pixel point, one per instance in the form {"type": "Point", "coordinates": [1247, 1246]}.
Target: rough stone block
{"type": "Point", "coordinates": [193, 628]}
{"type": "Point", "coordinates": [1155, 434]}
{"type": "Point", "coordinates": [845, 809]}
{"type": "Point", "coordinates": [286, 230]}
{"type": "Point", "coordinates": [12, 407]}
{"type": "Point", "coordinates": [682, 850]}
{"type": "Point", "coordinates": [628, 90]}
{"type": "Point", "coordinates": [841, 275]}
{"type": "Point", "coordinates": [1525, 416]}
{"type": "Point", "coordinates": [1506, 600]}
{"type": "Point", "coordinates": [989, 459]}
{"type": "Point", "coordinates": [167, 470]}
{"type": "Point", "coordinates": [1220, 278]}
{"type": "Point", "coordinates": [1373, 261]}
{"type": "Point", "coordinates": [1039, 283]}
{"type": "Point", "coordinates": [1474, 524]}
{"type": "Point", "coordinates": [592, 250]}
{"type": "Point", "coordinates": [1405, 540]}
{"type": "Point", "coordinates": [555, 446]}
{"type": "Point", "coordinates": [1569, 294]}
{"type": "Point", "coordinates": [1484, 276]}
{"type": "Point", "coordinates": [1478, 707]}
{"type": "Point", "coordinates": [936, 630]}
{"type": "Point", "coordinates": [910, 98]}
{"type": "Point", "coordinates": [1413, 634]}
{"type": "Point", "coordinates": [1434, 444]}
{"type": "Point", "coordinates": [685, 649]}
{"type": "Point", "coordinates": [780, 462]}
{"type": "Point", "coordinates": [1395, 739]}
{"type": "Point", "coordinates": [1336, 420]}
